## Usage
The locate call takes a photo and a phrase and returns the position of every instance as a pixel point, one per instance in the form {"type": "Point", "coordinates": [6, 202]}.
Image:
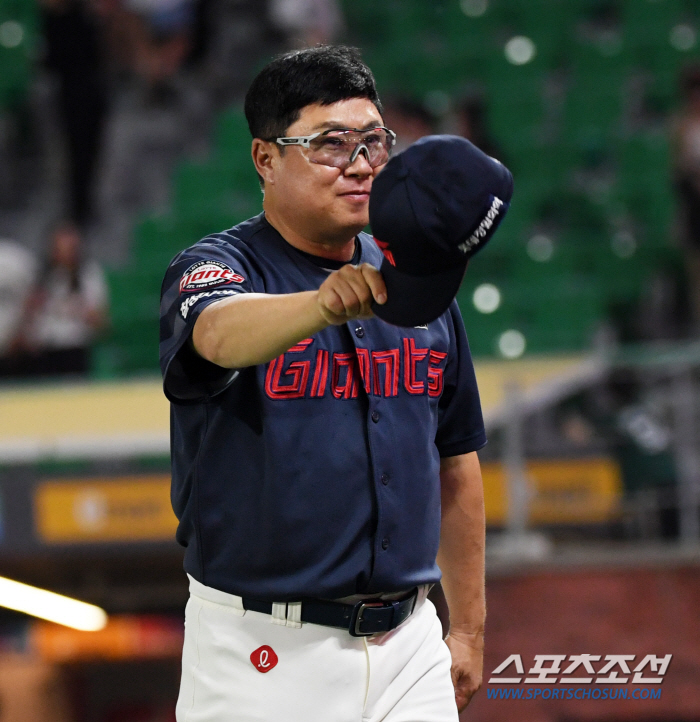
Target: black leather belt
{"type": "Point", "coordinates": [361, 619]}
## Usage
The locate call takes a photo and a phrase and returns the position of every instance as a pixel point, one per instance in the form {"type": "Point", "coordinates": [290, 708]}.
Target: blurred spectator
{"type": "Point", "coordinates": [408, 119]}
{"type": "Point", "coordinates": [153, 39]}
{"type": "Point", "coordinates": [18, 275]}
{"type": "Point", "coordinates": [471, 124]}
{"type": "Point", "coordinates": [74, 55]}
{"type": "Point", "coordinates": [306, 22]}
{"type": "Point", "coordinates": [686, 161]}
{"type": "Point", "coordinates": [161, 35]}
{"type": "Point", "coordinates": [63, 313]}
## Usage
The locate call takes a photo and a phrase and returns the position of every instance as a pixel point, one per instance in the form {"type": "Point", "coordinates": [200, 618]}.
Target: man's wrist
{"type": "Point", "coordinates": [467, 629]}
{"type": "Point", "coordinates": [320, 320]}
{"type": "Point", "coordinates": [470, 632]}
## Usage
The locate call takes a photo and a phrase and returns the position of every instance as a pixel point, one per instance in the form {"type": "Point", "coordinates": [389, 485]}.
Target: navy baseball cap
{"type": "Point", "coordinates": [431, 208]}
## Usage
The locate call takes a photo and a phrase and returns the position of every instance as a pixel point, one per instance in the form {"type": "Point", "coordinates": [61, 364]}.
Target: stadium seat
{"type": "Point", "coordinates": [17, 57]}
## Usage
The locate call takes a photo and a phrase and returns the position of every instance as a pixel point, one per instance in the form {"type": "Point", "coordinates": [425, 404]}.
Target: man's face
{"type": "Point", "coordinates": [322, 203]}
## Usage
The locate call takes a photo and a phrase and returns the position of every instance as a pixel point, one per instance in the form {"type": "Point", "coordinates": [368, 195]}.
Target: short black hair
{"type": "Point", "coordinates": [323, 74]}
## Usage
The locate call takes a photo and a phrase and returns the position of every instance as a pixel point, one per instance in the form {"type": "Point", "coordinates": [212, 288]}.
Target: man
{"type": "Point", "coordinates": [320, 454]}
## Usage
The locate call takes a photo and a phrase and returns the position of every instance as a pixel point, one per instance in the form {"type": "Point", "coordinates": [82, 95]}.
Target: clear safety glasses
{"type": "Point", "coordinates": [339, 148]}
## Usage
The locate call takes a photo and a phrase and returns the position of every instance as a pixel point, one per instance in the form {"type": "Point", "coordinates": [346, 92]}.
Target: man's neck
{"type": "Point", "coordinates": [336, 249]}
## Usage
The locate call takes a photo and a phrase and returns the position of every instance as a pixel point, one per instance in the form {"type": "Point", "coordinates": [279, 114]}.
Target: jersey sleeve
{"type": "Point", "coordinates": [196, 278]}
{"type": "Point", "coordinates": [460, 421]}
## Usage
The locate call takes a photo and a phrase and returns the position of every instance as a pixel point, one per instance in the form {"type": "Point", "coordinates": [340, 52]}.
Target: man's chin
{"type": "Point", "coordinates": [342, 224]}
{"type": "Point", "coordinates": [358, 218]}
{"type": "Point", "coordinates": [355, 228]}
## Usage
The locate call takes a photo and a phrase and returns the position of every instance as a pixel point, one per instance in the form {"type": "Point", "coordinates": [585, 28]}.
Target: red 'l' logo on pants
{"type": "Point", "coordinates": [264, 658]}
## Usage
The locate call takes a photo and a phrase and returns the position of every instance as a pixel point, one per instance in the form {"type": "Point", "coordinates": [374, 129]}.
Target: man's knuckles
{"type": "Point", "coordinates": [354, 296]}
{"type": "Point", "coordinates": [341, 304]}
{"type": "Point", "coordinates": [347, 293]}
{"type": "Point", "coordinates": [336, 307]}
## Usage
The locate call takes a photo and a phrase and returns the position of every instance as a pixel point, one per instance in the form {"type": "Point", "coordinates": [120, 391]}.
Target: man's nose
{"type": "Point", "coordinates": [359, 161]}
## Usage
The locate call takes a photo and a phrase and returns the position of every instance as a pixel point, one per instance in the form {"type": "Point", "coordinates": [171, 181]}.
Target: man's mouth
{"type": "Point", "coordinates": [356, 195]}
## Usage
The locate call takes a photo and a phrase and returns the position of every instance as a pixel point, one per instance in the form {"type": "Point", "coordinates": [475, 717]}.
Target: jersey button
{"type": "Point", "coordinates": [384, 478]}
{"type": "Point", "coordinates": [375, 416]}
{"type": "Point", "coordinates": [385, 543]}
{"type": "Point", "coordinates": [359, 332]}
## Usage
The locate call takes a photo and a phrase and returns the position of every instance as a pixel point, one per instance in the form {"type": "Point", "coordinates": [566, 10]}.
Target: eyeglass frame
{"type": "Point", "coordinates": [305, 140]}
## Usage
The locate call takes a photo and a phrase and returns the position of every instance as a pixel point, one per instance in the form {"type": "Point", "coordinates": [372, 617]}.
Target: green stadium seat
{"type": "Point", "coordinates": [232, 138]}
{"type": "Point", "coordinates": [647, 24]}
{"type": "Point", "coordinates": [593, 110]}
{"type": "Point", "coordinates": [134, 295]}
{"type": "Point", "coordinates": [17, 60]}
{"type": "Point", "coordinates": [516, 109]}
{"type": "Point", "coordinates": [215, 189]}
{"type": "Point", "coordinates": [131, 344]}
{"type": "Point", "coordinates": [548, 23]}
{"type": "Point", "coordinates": [560, 316]}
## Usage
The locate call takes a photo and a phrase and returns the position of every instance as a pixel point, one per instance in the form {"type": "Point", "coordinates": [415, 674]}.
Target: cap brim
{"type": "Point", "coordinates": [417, 300]}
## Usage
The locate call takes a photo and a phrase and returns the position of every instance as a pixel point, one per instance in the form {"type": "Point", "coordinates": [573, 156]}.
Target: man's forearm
{"type": "Point", "coordinates": [462, 541]}
{"type": "Point", "coordinates": [254, 328]}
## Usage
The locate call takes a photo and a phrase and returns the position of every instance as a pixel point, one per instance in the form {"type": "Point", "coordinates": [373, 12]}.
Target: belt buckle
{"type": "Point", "coordinates": [356, 619]}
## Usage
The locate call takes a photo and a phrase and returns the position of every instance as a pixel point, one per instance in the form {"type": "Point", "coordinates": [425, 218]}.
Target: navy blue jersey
{"type": "Point", "coordinates": [316, 474]}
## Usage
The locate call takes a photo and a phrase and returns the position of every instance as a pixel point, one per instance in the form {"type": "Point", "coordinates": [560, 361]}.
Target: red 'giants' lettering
{"type": "Point", "coordinates": [379, 372]}
{"type": "Point", "coordinates": [435, 372]}
{"type": "Point", "coordinates": [411, 356]}
{"type": "Point", "coordinates": [296, 376]}
{"type": "Point", "coordinates": [364, 364]}
{"type": "Point", "coordinates": [345, 368]}
{"type": "Point", "coordinates": [389, 360]}
{"type": "Point", "coordinates": [318, 386]}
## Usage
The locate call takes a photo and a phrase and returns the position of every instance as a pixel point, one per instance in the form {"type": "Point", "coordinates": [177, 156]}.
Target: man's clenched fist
{"type": "Point", "coordinates": [349, 292]}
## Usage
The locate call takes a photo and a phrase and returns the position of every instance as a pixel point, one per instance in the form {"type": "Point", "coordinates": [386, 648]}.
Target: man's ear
{"type": "Point", "coordinates": [263, 157]}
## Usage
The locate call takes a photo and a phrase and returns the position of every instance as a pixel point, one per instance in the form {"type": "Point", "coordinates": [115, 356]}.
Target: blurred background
{"type": "Point", "coordinates": [122, 141]}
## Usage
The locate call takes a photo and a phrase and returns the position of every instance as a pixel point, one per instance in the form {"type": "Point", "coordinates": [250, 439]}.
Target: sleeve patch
{"type": "Point", "coordinates": [208, 274]}
{"type": "Point", "coordinates": [187, 304]}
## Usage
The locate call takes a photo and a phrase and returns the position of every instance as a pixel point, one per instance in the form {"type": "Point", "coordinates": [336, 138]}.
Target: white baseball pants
{"type": "Point", "coordinates": [243, 666]}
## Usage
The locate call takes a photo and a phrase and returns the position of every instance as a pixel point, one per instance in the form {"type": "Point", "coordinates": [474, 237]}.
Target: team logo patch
{"type": "Point", "coordinates": [208, 274]}
{"type": "Point", "coordinates": [264, 659]}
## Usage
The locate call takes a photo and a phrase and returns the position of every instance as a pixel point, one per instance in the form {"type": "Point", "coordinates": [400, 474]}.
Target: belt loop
{"type": "Point", "coordinates": [237, 604]}
{"type": "Point", "coordinates": [294, 614]}
{"type": "Point", "coordinates": [279, 613]}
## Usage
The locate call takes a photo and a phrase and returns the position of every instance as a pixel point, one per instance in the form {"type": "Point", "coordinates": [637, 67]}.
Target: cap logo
{"type": "Point", "coordinates": [385, 250]}
{"type": "Point", "coordinates": [484, 227]}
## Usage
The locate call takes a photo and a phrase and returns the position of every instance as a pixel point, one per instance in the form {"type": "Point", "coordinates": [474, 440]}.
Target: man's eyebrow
{"type": "Point", "coordinates": [336, 125]}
